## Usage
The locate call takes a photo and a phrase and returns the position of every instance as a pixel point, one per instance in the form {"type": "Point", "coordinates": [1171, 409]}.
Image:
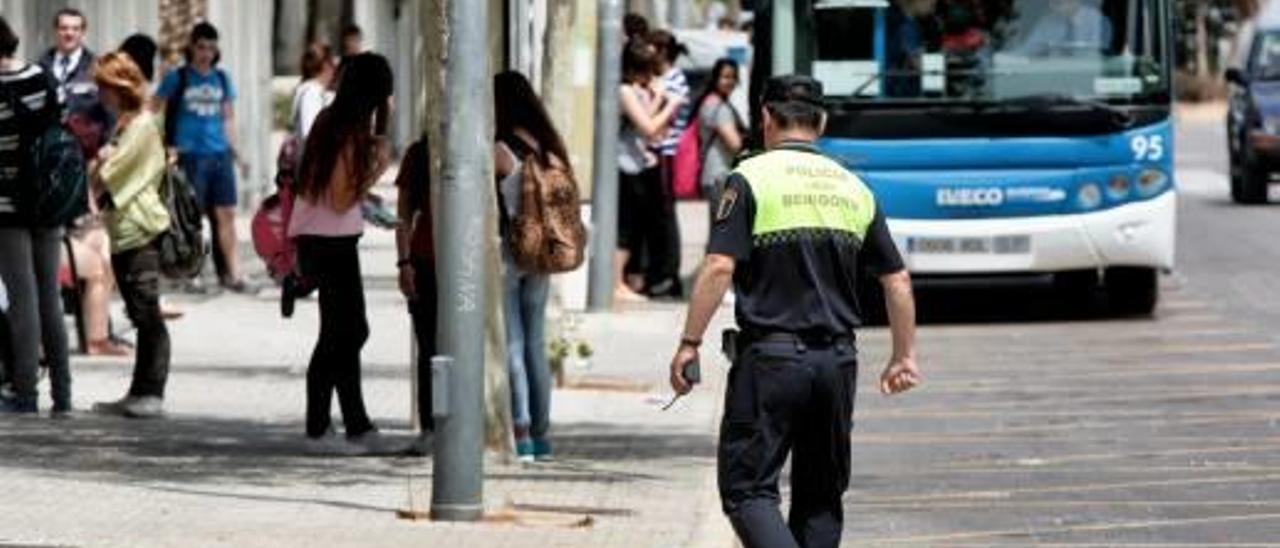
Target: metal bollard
{"type": "Point", "coordinates": [440, 367]}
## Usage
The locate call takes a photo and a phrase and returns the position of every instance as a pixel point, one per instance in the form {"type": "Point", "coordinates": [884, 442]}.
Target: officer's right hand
{"type": "Point", "coordinates": [685, 355]}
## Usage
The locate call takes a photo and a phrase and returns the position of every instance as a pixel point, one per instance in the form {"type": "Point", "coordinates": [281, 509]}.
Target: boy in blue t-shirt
{"type": "Point", "coordinates": [197, 100]}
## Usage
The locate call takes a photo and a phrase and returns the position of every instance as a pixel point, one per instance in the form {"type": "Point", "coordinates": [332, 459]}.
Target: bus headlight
{"type": "Point", "coordinates": [1118, 188]}
{"type": "Point", "coordinates": [1151, 182]}
{"type": "Point", "coordinates": [1089, 196]}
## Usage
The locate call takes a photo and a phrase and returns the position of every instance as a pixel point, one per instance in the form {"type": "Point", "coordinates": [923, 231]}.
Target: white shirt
{"type": "Point", "coordinates": [509, 186]}
{"type": "Point", "coordinates": [64, 64]}
{"type": "Point", "coordinates": [308, 100]}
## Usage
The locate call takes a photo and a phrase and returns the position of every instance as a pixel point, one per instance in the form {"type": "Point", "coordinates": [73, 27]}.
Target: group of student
{"type": "Point", "coordinates": [341, 115]}
{"type": "Point", "coordinates": [127, 136]}
{"type": "Point", "coordinates": [657, 109]}
{"type": "Point", "coordinates": [345, 152]}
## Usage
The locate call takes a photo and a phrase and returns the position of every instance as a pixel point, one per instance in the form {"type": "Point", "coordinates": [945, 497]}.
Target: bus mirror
{"type": "Point", "coordinates": [1237, 77]}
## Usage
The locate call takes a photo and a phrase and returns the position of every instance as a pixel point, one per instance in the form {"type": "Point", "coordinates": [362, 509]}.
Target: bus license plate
{"type": "Point", "coordinates": [998, 245]}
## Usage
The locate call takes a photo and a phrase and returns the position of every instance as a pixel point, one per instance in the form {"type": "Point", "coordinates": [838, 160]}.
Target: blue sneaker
{"type": "Point", "coordinates": [542, 450]}
{"type": "Point", "coordinates": [524, 451]}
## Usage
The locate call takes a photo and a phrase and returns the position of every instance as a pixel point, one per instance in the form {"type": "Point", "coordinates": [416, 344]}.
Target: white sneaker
{"type": "Point", "coordinates": [144, 407]}
{"type": "Point", "coordinates": [329, 445]}
{"type": "Point", "coordinates": [422, 446]}
{"type": "Point", "coordinates": [115, 408]}
{"type": "Point", "coordinates": [374, 443]}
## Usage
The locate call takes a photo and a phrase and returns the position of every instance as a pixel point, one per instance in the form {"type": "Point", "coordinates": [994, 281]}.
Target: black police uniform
{"type": "Point", "coordinates": [801, 229]}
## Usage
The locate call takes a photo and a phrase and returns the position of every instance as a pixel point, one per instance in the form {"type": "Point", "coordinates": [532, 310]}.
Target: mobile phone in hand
{"type": "Point", "coordinates": [692, 372]}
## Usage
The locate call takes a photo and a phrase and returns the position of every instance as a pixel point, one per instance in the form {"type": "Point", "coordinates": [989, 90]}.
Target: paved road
{"type": "Point", "coordinates": [1057, 429]}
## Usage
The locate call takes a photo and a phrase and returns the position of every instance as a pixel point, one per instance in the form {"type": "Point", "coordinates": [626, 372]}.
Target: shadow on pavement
{"type": "Point", "coordinates": [204, 450]}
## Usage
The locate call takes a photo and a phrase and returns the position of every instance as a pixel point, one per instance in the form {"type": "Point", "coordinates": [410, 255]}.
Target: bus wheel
{"type": "Point", "coordinates": [1076, 290]}
{"type": "Point", "coordinates": [1248, 183]}
{"type": "Point", "coordinates": [1132, 291]}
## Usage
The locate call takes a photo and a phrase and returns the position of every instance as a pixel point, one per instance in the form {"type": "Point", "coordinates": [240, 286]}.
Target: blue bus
{"type": "Point", "coordinates": [1003, 138]}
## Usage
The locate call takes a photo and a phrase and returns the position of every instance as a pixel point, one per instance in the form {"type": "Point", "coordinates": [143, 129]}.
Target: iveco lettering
{"type": "Point", "coordinates": [963, 197]}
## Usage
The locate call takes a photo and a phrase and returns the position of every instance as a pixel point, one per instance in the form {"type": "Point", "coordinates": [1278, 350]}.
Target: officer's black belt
{"type": "Point", "coordinates": [736, 341]}
{"type": "Point", "coordinates": [811, 340]}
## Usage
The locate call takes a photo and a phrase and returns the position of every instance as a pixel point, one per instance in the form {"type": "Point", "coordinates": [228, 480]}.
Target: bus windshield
{"type": "Point", "coordinates": [950, 51]}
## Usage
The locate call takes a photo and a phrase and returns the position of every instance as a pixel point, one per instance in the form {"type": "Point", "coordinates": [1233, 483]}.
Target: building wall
{"type": "Point", "coordinates": [109, 22]}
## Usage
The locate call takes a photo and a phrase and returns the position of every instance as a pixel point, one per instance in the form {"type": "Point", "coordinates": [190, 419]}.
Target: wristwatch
{"type": "Point", "coordinates": [690, 342]}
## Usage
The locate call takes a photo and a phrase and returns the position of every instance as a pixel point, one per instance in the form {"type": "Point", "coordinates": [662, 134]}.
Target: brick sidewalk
{"type": "Point", "coordinates": [228, 468]}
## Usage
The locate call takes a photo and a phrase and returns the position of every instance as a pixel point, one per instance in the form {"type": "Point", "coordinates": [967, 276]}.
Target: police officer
{"type": "Point", "coordinates": [793, 233]}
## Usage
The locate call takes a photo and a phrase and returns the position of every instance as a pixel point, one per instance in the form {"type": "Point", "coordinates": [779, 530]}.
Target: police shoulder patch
{"type": "Point", "coordinates": [728, 201]}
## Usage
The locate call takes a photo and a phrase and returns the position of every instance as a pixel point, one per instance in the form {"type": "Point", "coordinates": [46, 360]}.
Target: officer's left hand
{"type": "Point", "coordinates": [683, 357]}
{"type": "Point", "coordinates": [900, 376]}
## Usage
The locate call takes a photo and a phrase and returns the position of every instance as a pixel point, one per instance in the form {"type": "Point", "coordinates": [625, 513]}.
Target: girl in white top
{"type": "Point", "coordinates": [314, 93]}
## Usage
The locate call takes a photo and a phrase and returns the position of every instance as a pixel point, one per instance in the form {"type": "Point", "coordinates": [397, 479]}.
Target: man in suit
{"type": "Point", "coordinates": [71, 64]}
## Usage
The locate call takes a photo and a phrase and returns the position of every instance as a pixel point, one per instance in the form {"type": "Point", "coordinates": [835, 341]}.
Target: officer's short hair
{"type": "Point", "coordinates": [794, 101]}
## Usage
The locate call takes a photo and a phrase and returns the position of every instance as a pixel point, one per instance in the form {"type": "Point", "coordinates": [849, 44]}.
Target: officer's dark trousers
{"type": "Point", "coordinates": [788, 398]}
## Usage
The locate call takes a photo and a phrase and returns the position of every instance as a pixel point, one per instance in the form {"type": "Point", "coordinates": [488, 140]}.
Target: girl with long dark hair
{"type": "Point", "coordinates": [721, 126]}
{"type": "Point", "coordinates": [525, 134]}
{"type": "Point", "coordinates": [345, 154]}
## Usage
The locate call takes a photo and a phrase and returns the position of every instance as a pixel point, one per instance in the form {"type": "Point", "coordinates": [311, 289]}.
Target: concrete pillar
{"type": "Point", "coordinates": [245, 39]}
{"type": "Point", "coordinates": [377, 18]}
{"type": "Point", "coordinates": [290, 35]}
{"type": "Point", "coordinates": [325, 20]}
{"type": "Point", "coordinates": [390, 29]}
{"type": "Point", "coordinates": [409, 45]}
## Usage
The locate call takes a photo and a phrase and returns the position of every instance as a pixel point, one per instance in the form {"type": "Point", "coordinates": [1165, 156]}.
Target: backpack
{"type": "Point", "coordinates": [547, 235]}
{"type": "Point", "coordinates": [270, 226]}
{"type": "Point", "coordinates": [182, 247]}
{"type": "Point", "coordinates": [686, 180]}
{"type": "Point", "coordinates": [62, 186]}
{"type": "Point", "coordinates": [173, 103]}
{"type": "Point", "coordinates": [59, 186]}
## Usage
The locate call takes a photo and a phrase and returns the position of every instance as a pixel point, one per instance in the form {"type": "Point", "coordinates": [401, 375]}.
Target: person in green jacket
{"type": "Point", "coordinates": [127, 176]}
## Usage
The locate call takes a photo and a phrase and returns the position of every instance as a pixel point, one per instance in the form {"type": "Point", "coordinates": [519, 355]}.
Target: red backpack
{"type": "Point", "coordinates": [686, 181]}
{"type": "Point", "coordinates": [270, 226]}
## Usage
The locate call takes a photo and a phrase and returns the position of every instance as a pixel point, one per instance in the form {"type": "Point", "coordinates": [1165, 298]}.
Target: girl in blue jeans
{"type": "Point", "coordinates": [525, 134]}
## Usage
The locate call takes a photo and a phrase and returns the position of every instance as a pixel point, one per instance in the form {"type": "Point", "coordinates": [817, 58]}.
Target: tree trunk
{"type": "Point", "coordinates": [176, 19]}
{"type": "Point", "coordinates": [1202, 42]}
{"type": "Point", "coordinates": [435, 34]}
